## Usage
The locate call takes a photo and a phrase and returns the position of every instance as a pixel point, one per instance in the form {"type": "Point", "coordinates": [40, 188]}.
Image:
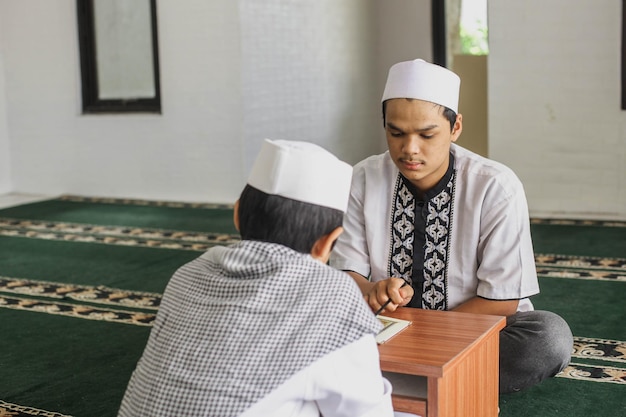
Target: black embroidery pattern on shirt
{"type": "Point", "coordinates": [438, 224]}
{"type": "Point", "coordinates": [437, 236]}
{"type": "Point", "coordinates": [402, 232]}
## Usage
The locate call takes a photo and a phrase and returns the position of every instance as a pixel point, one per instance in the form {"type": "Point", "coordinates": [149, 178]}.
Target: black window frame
{"type": "Point", "coordinates": [88, 65]}
{"type": "Point", "coordinates": [623, 63]}
{"type": "Point", "coordinates": [438, 19]}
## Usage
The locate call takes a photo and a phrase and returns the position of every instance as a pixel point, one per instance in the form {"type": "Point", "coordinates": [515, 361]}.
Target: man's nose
{"type": "Point", "coordinates": [412, 144]}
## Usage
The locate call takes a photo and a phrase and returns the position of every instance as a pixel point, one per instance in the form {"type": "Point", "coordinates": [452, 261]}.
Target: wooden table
{"type": "Point", "coordinates": [457, 356]}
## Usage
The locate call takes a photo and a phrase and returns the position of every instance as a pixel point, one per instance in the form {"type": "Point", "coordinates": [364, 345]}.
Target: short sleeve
{"type": "Point", "coordinates": [351, 250]}
{"type": "Point", "coordinates": [507, 265]}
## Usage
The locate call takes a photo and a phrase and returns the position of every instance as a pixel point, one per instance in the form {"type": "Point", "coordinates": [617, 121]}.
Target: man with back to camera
{"type": "Point", "coordinates": [452, 224]}
{"type": "Point", "coordinates": [244, 330]}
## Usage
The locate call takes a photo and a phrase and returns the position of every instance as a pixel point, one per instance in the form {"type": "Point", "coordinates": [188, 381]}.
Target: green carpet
{"type": "Point", "coordinates": [81, 278]}
{"type": "Point", "coordinates": [594, 308]}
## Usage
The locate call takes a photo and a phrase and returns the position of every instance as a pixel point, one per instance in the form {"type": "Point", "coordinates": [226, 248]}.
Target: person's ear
{"type": "Point", "coordinates": [457, 128]}
{"type": "Point", "coordinates": [324, 245]}
{"type": "Point", "coordinates": [236, 215]}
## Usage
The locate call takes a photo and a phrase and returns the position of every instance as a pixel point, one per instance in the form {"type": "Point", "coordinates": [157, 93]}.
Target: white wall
{"type": "Point", "coordinates": [402, 32]}
{"type": "Point", "coordinates": [308, 74]}
{"type": "Point", "coordinates": [232, 73]}
{"type": "Point", "coordinates": [5, 162]}
{"type": "Point", "coordinates": [554, 104]}
{"type": "Point", "coordinates": [182, 154]}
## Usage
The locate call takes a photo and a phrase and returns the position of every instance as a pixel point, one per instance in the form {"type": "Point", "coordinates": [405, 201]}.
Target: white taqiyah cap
{"type": "Point", "coordinates": [422, 80]}
{"type": "Point", "coordinates": [302, 171]}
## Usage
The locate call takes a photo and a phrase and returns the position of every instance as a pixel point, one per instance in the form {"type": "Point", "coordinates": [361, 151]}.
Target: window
{"type": "Point", "coordinates": [473, 28]}
{"type": "Point", "coordinates": [459, 28]}
{"type": "Point", "coordinates": [119, 56]}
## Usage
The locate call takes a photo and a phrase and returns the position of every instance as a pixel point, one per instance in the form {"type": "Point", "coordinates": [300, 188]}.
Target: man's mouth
{"type": "Point", "coordinates": [409, 164]}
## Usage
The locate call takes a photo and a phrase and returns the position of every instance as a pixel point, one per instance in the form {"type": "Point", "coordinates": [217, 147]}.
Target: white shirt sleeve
{"type": "Point", "coordinates": [345, 383]}
{"type": "Point", "coordinates": [507, 269]}
{"type": "Point", "coordinates": [351, 250]}
{"type": "Point", "coordinates": [364, 245]}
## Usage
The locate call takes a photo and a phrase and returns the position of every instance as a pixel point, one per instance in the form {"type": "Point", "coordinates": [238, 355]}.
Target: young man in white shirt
{"type": "Point", "coordinates": [453, 224]}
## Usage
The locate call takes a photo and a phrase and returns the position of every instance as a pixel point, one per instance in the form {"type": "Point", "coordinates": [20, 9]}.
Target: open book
{"type": "Point", "coordinates": [391, 328]}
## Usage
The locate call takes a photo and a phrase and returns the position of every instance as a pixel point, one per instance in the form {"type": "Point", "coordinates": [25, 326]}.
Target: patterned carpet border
{"type": "Point", "coordinates": [14, 410]}
{"type": "Point", "coordinates": [584, 348]}
{"type": "Point", "coordinates": [140, 202]}
{"type": "Point", "coordinates": [572, 222]}
{"type": "Point", "coordinates": [77, 311]}
{"type": "Point", "coordinates": [110, 240]}
{"type": "Point", "coordinates": [581, 274]}
{"type": "Point", "coordinates": [551, 265]}
{"type": "Point", "coordinates": [581, 262]}
{"type": "Point", "coordinates": [25, 226]}
{"type": "Point", "coordinates": [602, 349]}
{"type": "Point", "coordinates": [593, 373]}
{"type": "Point", "coordinates": [95, 295]}
{"type": "Point", "coordinates": [179, 239]}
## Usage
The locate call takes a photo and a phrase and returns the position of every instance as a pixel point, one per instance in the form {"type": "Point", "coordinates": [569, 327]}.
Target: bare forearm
{"type": "Point", "coordinates": [364, 284]}
{"type": "Point", "coordinates": [482, 306]}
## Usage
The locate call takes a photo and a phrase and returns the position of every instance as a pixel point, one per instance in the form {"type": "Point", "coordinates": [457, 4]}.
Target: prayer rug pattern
{"type": "Point", "coordinates": [608, 350]}
{"type": "Point", "coordinates": [584, 348]}
{"type": "Point", "coordinates": [581, 274]}
{"type": "Point", "coordinates": [113, 235]}
{"type": "Point", "coordinates": [139, 202]}
{"type": "Point", "coordinates": [594, 373]}
{"type": "Point", "coordinates": [553, 265]}
{"type": "Point", "coordinates": [587, 262]}
{"type": "Point", "coordinates": [595, 351]}
{"type": "Point", "coordinates": [572, 222]}
{"type": "Point", "coordinates": [77, 311]}
{"type": "Point", "coordinates": [99, 294]}
{"type": "Point", "coordinates": [14, 410]}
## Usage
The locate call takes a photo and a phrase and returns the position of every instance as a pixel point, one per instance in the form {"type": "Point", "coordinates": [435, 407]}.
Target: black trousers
{"type": "Point", "coordinates": [534, 345]}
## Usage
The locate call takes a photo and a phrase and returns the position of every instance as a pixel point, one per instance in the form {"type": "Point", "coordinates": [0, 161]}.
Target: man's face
{"type": "Point", "coordinates": [419, 138]}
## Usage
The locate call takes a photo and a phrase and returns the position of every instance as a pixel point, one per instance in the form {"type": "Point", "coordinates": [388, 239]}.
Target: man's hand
{"type": "Point", "coordinates": [378, 293]}
{"type": "Point", "coordinates": [393, 290]}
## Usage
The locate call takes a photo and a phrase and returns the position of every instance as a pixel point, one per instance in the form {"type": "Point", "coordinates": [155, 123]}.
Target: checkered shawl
{"type": "Point", "coordinates": [236, 323]}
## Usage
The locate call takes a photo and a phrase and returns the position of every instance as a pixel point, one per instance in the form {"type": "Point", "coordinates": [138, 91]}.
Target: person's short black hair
{"type": "Point", "coordinates": [295, 224]}
{"type": "Point", "coordinates": [447, 113]}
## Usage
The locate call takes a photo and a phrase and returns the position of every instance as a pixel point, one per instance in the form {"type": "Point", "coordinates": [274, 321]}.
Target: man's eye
{"type": "Point", "coordinates": [428, 136]}
{"type": "Point", "coordinates": [396, 134]}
